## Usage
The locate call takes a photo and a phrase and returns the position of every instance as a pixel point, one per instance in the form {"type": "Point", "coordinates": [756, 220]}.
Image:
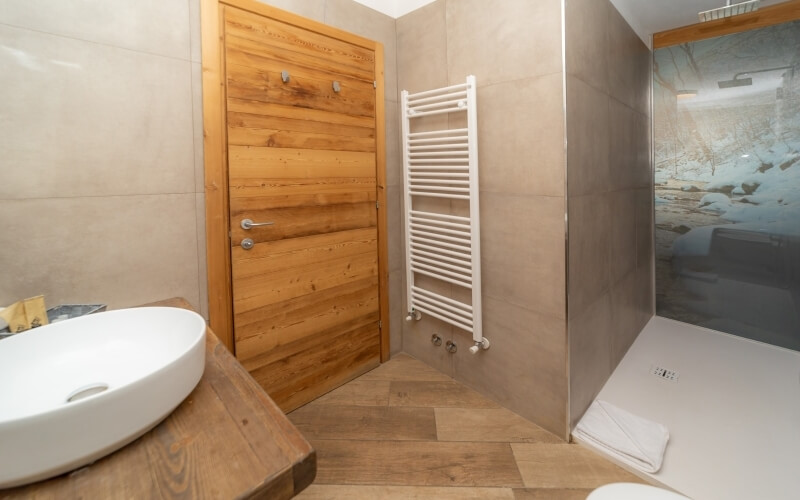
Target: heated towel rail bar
{"type": "Point", "coordinates": [443, 163]}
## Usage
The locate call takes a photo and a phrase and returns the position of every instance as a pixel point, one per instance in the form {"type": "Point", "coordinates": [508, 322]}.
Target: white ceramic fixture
{"type": "Point", "coordinates": [75, 391]}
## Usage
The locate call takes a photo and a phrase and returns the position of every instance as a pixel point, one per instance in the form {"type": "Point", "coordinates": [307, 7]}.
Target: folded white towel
{"type": "Point", "coordinates": [633, 440]}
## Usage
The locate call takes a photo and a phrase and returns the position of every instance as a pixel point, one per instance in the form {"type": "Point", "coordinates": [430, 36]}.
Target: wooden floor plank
{"type": "Point", "coordinates": [359, 392]}
{"type": "Point", "coordinates": [497, 424]}
{"type": "Point", "coordinates": [404, 367]}
{"type": "Point", "coordinates": [416, 463]}
{"type": "Point", "coordinates": [364, 451]}
{"type": "Point", "coordinates": [365, 422]}
{"type": "Point", "coordinates": [346, 492]}
{"type": "Point", "coordinates": [566, 466]}
{"type": "Point", "coordinates": [440, 394]}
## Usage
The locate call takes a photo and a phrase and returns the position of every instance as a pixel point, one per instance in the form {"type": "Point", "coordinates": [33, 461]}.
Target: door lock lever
{"type": "Point", "coordinates": [248, 223]}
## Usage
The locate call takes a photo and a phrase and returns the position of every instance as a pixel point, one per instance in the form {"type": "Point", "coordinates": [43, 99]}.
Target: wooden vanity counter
{"type": "Point", "coordinates": [227, 439]}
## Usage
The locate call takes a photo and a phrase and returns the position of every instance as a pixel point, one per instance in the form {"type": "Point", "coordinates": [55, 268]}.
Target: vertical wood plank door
{"type": "Point", "coordinates": [301, 156]}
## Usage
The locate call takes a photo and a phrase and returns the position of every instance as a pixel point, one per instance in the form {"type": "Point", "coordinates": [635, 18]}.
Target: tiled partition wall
{"type": "Point", "coordinates": [609, 189]}
{"type": "Point", "coordinates": [513, 47]}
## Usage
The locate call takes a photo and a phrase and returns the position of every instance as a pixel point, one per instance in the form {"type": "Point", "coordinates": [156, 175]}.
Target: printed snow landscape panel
{"type": "Point", "coordinates": [726, 128]}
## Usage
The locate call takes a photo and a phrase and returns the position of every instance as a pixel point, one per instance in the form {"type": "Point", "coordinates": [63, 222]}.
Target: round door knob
{"type": "Point", "coordinates": [247, 243]}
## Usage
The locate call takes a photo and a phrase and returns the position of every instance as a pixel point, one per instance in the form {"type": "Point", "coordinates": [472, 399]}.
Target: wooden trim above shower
{"type": "Point", "coordinates": [766, 16]}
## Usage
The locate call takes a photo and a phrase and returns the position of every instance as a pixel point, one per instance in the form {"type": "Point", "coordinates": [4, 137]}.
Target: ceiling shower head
{"type": "Point", "coordinates": [743, 82]}
{"type": "Point", "coordinates": [736, 82]}
{"type": "Point", "coordinates": [729, 10]}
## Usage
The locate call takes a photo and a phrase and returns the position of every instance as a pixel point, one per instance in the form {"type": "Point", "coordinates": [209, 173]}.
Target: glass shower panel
{"type": "Point", "coordinates": [726, 126]}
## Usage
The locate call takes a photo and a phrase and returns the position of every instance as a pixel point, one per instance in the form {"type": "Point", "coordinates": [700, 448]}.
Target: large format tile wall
{"type": "Point", "coordinates": [609, 184]}
{"type": "Point", "coordinates": [513, 47]}
{"type": "Point", "coordinates": [101, 181]}
{"type": "Point", "coordinates": [101, 140]}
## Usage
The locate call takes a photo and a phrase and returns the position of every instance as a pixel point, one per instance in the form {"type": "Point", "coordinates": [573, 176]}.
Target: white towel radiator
{"type": "Point", "coordinates": [443, 163]}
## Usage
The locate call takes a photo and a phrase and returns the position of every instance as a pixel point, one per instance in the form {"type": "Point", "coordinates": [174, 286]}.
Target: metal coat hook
{"type": "Point", "coordinates": [285, 76]}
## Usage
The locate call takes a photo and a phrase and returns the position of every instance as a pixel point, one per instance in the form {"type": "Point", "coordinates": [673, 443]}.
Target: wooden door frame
{"type": "Point", "coordinates": [763, 17]}
{"type": "Point", "coordinates": [220, 292]}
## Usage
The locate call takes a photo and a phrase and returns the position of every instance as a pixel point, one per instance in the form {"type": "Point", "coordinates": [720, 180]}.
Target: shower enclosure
{"type": "Point", "coordinates": [726, 129]}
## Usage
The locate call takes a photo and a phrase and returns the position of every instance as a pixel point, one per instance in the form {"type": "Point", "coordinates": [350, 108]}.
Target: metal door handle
{"type": "Point", "coordinates": [247, 224]}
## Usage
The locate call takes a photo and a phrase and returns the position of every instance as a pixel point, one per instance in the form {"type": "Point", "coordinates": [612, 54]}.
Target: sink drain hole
{"type": "Point", "coordinates": [86, 391]}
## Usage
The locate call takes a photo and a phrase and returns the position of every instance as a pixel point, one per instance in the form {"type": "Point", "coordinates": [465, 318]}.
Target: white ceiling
{"type": "Point", "coordinates": [395, 8]}
{"type": "Point", "coordinates": [645, 16]}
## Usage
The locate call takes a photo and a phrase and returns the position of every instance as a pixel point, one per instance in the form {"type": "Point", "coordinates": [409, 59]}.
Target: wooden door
{"type": "Point", "coordinates": [301, 156]}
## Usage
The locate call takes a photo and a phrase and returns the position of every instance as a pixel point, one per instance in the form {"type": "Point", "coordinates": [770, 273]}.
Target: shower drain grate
{"type": "Point", "coordinates": [665, 373]}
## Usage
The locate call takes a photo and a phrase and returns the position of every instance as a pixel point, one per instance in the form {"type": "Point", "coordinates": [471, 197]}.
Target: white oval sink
{"type": "Point", "coordinates": [74, 391]}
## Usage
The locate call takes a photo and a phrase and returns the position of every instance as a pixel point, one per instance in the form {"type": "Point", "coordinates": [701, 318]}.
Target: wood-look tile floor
{"type": "Point", "coordinates": [406, 431]}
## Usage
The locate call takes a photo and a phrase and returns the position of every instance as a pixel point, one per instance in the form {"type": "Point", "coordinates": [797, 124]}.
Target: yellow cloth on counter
{"type": "Point", "coordinates": [25, 314]}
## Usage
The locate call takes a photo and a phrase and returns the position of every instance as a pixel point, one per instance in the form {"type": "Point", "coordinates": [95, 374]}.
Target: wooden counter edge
{"type": "Point", "coordinates": [291, 480]}
{"type": "Point", "coordinates": [282, 462]}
